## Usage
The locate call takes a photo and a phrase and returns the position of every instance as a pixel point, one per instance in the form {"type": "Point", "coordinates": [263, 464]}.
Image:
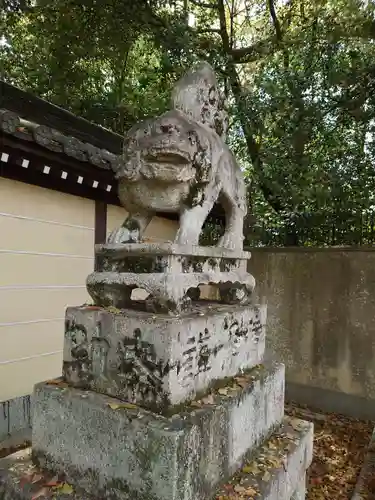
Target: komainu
{"type": "Point", "coordinates": [179, 163]}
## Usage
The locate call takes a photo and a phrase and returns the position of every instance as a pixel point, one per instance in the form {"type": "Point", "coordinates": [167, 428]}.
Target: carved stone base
{"type": "Point", "coordinates": [159, 360]}
{"type": "Point", "coordinates": [128, 453]}
{"type": "Point", "coordinates": [169, 273]}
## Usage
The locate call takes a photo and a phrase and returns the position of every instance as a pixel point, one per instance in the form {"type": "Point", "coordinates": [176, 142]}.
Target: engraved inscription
{"type": "Point", "coordinates": [140, 371]}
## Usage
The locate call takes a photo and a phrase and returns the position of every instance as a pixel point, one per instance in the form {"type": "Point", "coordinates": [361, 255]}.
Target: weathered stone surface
{"type": "Point", "coordinates": [132, 453]}
{"type": "Point", "coordinates": [171, 275]}
{"type": "Point", "coordinates": [158, 360]}
{"type": "Point", "coordinates": [179, 163]}
{"type": "Point", "coordinates": [276, 471]}
{"type": "Point", "coordinates": [300, 491]}
{"type": "Point", "coordinates": [278, 468]}
{"type": "Point", "coordinates": [17, 472]}
{"type": "Point", "coordinates": [168, 258]}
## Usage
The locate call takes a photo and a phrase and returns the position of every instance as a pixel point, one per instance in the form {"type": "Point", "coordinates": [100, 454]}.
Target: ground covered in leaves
{"type": "Point", "coordinates": [340, 445]}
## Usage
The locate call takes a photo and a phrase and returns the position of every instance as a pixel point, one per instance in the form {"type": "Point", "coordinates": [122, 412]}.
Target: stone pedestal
{"type": "Point", "coordinates": [160, 360]}
{"type": "Point", "coordinates": [171, 274]}
{"type": "Point", "coordinates": [184, 455]}
{"type": "Point", "coordinates": [165, 405]}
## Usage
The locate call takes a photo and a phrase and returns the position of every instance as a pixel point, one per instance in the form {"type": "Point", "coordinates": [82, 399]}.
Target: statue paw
{"type": "Point", "coordinates": [123, 235]}
{"type": "Point", "coordinates": [229, 242]}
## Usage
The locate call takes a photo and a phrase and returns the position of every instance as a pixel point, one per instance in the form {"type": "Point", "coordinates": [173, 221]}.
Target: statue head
{"type": "Point", "coordinates": [164, 156]}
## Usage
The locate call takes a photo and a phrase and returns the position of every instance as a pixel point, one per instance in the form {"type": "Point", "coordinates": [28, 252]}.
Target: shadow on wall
{"type": "Point", "coordinates": [321, 323]}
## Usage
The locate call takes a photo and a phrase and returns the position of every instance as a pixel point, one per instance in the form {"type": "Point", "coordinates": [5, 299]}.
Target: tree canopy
{"type": "Point", "coordinates": [299, 76]}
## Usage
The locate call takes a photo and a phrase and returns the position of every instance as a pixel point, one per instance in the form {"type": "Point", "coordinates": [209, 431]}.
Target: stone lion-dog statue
{"type": "Point", "coordinates": [179, 163]}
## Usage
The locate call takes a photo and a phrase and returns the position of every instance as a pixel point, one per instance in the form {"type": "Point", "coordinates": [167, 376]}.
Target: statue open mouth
{"type": "Point", "coordinates": [168, 157]}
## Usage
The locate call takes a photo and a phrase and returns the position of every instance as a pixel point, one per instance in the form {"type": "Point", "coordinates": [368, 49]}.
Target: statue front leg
{"type": "Point", "coordinates": [131, 230]}
{"type": "Point", "coordinates": [191, 223]}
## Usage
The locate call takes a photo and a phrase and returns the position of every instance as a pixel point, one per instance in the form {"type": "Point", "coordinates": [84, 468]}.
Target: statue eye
{"type": "Point", "coordinates": [192, 139]}
{"type": "Point", "coordinates": [165, 129]}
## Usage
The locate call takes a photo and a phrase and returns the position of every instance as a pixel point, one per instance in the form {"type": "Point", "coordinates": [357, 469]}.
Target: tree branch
{"type": "Point", "coordinates": [223, 27]}
{"type": "Point", "coordinates": [208, 30]}
{"type": "Point", "coordinates": [276, 23]}
{"type": "Point", "coordinates": [254, 52]}
{"type": "Point", "coordinates": [278, 31]}
{"type": "Point", "coordinates": [204, 5]}
{"type": "Point", "coordinates": [252, 146]}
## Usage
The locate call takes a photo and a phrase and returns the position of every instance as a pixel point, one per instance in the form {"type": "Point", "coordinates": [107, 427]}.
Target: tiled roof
{"type": "Point", "coordinates": [55, 141]}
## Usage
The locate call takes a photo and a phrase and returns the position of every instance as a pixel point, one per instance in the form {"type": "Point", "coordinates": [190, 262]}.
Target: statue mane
{"type": "Point", "coordinates": [197, 95]}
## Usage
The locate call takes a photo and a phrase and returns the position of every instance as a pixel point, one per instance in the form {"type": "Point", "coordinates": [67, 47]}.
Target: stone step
{"type": "Point", "coordinates": [276, 471]}
{"type": "Point", "coordinates": [103, 445]}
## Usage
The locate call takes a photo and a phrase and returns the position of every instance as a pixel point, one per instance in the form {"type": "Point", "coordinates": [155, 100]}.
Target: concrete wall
{"type": "Point", "coordinates": [321, 323]}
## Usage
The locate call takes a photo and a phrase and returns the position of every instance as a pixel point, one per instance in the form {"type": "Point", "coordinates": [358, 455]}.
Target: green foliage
{"type": "Point", "coordinates": [299, 75]}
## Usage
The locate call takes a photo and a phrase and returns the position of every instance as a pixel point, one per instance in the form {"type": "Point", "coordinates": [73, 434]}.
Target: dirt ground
{"type": "Point", "coordinates": [339, 448]}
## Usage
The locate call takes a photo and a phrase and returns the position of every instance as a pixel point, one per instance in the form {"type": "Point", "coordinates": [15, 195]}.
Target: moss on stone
{"type": "Point", "coordinates": [226, 382]}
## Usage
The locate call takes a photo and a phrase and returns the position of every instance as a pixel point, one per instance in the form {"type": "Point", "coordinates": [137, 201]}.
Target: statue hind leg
{"type": "Point", "coordinates": [232, 238]}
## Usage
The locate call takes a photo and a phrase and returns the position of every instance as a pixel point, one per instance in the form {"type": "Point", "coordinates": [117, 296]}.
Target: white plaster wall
{"type": "Point", "coordinates": [46, 252]}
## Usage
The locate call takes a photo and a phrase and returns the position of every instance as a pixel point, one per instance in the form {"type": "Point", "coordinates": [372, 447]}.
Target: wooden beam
{"type": "Point", "coordinates": [100, 222]}
{"type": "Point", "coordinates": [15, 171]}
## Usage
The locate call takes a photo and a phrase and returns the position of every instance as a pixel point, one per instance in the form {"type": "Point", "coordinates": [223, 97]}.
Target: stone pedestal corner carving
{"type": "Point", "coordinates": [165, 398]}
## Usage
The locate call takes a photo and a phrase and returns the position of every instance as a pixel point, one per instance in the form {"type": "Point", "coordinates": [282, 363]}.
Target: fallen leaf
{"type": "Point", "coordinates": [209, 400]}
{"type": "Point", "coordinates": [43, 492]}
{"type": "Point", "coordinates": [266, 477]}
{"type": "Point", "coordinates": [36, 478]}
{"type": "Point", "coordinates": [275, 462]}
{"type": "Point", "coordinates": [228, 487]}
{"type": "Point", "coordinates": [251, 469]}
{"type": "Point", "coordinates": [250, 491]}
{"type": "Point", "coordinates": [223, 391]}
{"type": "Point", "coordinates": [125, 406]}
{"type": "Point", "coordinates": [65, 489]}
{"type": "Point", "coordinates": [113, 310]}
{"type": "Point", "coordinates": [339, 447]}
{"type": "Point", "coordinates": [56, 382]}
{"type": "Point", "coordinates": [239, 489]}
{"type": "Point", "coordinates": [196, 404]}
{"type": "Point", "coordinates": [271, 445]}
{"type": "Point", "coordinates": [53, 482]}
